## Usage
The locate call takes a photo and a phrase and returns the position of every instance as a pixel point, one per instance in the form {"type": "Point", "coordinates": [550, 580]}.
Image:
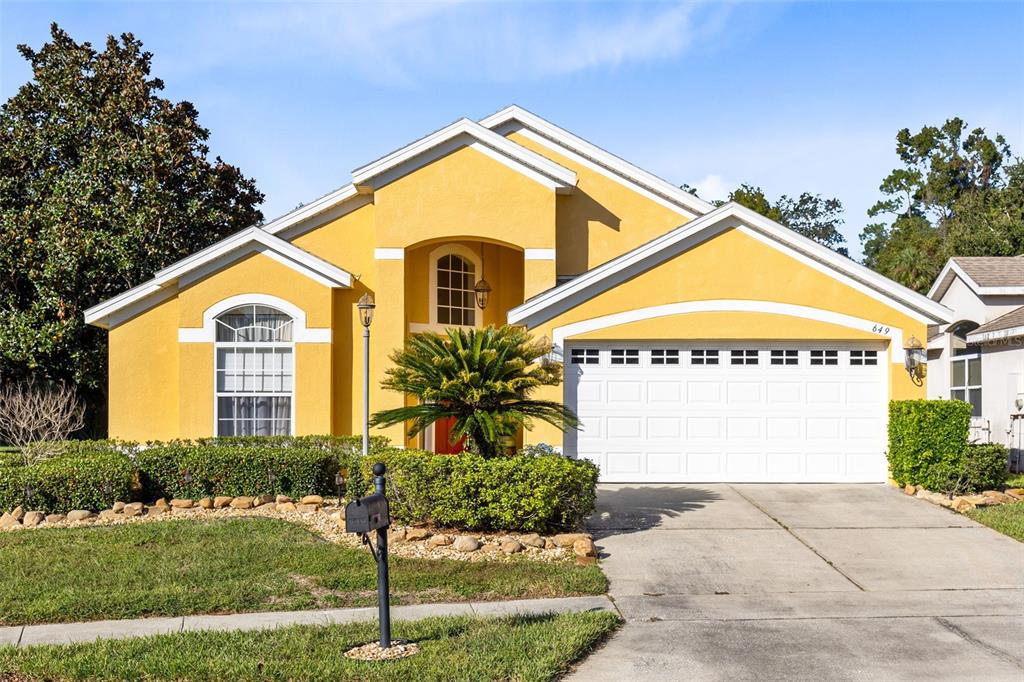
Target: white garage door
{"type": "Point", "coordinates": [730, 411]}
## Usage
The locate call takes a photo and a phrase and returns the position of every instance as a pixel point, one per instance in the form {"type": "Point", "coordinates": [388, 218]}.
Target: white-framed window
{"type": "Point", "coordinates": [863, 357]}
{"type": "Point", "coordinates": [585, 356]}
{"type": "Point", "coordinates": [455, 298]}
{"type": "Point", "coordinates": [743, 357]}
{"type": "Point", "coordinates": [703, 356]}
{"type": "Point", "coordinates": [785, 357]}
{"type": "Point", "coordinates": [625, 356]}
{"type": "Point", "coordinates": [965, 381]}
{"type": "Point", "coordinates": [664, 356]}
{"type": "Point", "coordinates": [824, 357]}
{"type": "Point", "coordinates": [254, 364]}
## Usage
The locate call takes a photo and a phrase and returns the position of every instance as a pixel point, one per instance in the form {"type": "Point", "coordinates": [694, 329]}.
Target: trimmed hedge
{"type": "Point", "coordinates": [235, 470]}
{"type": "Point", "coordinates": [519, 493]}
{"type": "Point", "coordinates": [928, 447]}
{"type": "Point", "coordinates": [78, 480]}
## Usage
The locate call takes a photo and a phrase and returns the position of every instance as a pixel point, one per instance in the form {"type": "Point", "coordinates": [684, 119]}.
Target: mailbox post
{"type": "Point", "coordinates": [363, 516]}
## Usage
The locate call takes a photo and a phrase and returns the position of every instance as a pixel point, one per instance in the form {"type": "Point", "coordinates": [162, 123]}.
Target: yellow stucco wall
{"type": "Point", "coordinates": [143, 378]}
{"type": "Point", "coordinates": [712, 271]}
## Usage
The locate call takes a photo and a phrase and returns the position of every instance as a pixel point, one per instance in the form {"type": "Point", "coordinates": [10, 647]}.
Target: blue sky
{"type": "Point", "coordinates": [794, 97]}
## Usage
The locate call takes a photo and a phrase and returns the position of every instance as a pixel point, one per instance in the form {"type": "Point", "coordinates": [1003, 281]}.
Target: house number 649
{"type": "Point", "coordinates": [880, 329]}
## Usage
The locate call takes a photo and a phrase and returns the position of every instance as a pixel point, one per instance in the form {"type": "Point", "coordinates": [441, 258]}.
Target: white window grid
{"type": "Point", "coordinates": [585, 356]}
{"type": "Point", "coordinates": [784, 357]}
{"type": "Point", "coordinates": [704, 356]}
{"type": "Point", "coordinates": [965, 381]}
{"type": "Point", "coordinates": [863, 357]}
{"type": "Point", "coordinates": [456, 299]}
{"type": "Point", "coordinates": [664, 356]}
{"type": "Point", "coordinates": [824, 357]}
{"type": "Point", "coordinates": [625, 356]}
{"type": "Point", "coordinates": [743, 356]}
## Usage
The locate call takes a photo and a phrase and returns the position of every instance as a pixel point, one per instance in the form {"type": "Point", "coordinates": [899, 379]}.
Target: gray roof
{"type": "Point", "coordinates": [986, 271]}
{"type": "Point", "coordinates": [1011, 320]}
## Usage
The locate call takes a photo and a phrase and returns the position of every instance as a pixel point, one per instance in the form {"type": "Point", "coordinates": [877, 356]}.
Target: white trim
{"type": "Point", "coordinates": [432, 258]}
{"type": "Point", "coordinates": [647, 256]}
{"type": "Point", "coordinates": [389, 253]}
{"type": "Point", "coordinates": [538, 254]}
{"type": "Point", "coordinates": [957, 270]}
{"type": "Point", "coordinates": [313, 209]}
{"type": "Point", "coordinates": [880, 329]}
{"type": "Point", "coordinates": [461, 133]}
{"type": "Point", "coordinates": [300, 332]}
{"type": "Point", "coordinates": [212, 259]}
{"type": "Point", "coordinates": [595, 158]}
{"type": "Point", "coordinates": [995, 335]}
{"type": "Point", "coordinates": [297, 227]}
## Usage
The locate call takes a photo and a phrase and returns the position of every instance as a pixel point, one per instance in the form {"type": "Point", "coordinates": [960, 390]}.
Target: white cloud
{"type": "Point", "coordinates": [714, 188]}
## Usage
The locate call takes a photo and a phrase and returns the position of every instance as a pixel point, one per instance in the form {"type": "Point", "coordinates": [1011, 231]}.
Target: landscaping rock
{"type": "Point", "coordinates": [998, 497]}
{"type": "Point", "coordinates": [586, 560]}
{"type": "Point", "coordinates": [118, 507]}
{"type": "Point", "coordinates": [18, 513]}
{"type": "Point", "coordinates": [307, 508]}
{"type": "Point", "coordinates": [978, 500]}
{"type": "Point", "coordinates": [312, 499]}
{"type": "Point", "coordinates": [584, 547]}
{"type": "Point", "coordinates": [241, 503]}
{"type": "Point", "coordinates": [511, 547]}
{"type": "Point", "coordinates": [466, 543]}
{"type": "Point", "coordinates": [283, 499]}
{"type": "Point", "coordinates": [222, 501]}
{"type": "Point", "coordinates": [568, 539]}
{"type": "Point", "coordinates": [962, 504]}
{"type": "Point", "coordinates": [109, 515]}
{"type": "Point", "coordinates": [490, 547]}
{"type": "Point", "coordinates": [1016, 493]}
{"type": "Point", "coordinates": [8, 521]}
{"type": "Point", "coordinates": [549, 544]}
{"type": "Point", "coordinates": [79, 515]}
{"type": "Point", "coordinates": [162, 503]}
{"type": "Point", "coordinates": [414, 534]}
{"type": "Point", "coordinates": [261, 500]}
{"type": "Point", "coordinates": [181, 504]}
{"type": "Point", "coordinates": [156, 511]}
{"type": "Point", "coordinates": [892, 483]}
{"type": "Point", "coordinates": [439, 540]}
{"type": "Point", "coordinates": [133, 509]}
{"type": "Point", "coordinates": [532, 540]}
{"type": "Point", "coordinates": [396, 535]}
{"type": "Point", "coordinates": [33, 518]}
{"type": "Point", "coordinates": [285, 506]}
{"type": "Point", "coordinates": [909, 489]}
{"type": "Point", "coordinates": [206, 503]}
{"type": "Point", "coordinates": [55, 518]}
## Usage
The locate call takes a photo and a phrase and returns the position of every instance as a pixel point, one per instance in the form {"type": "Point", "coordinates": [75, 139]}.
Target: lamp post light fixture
{"type": "Point", "coordinates": [914, 358]}
{"type": "Point", "coordinates": [482, 291]}
{"type": "Point", "coordinates": [366, 306]}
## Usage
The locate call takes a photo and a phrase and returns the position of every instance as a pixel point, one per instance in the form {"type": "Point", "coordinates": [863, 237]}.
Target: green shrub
{"type": "Point", "coordinates": [520, 493]}
{"type": "Point", "coordinates": [928, 447]}
{"type": "Point", "coordinates": [235, 470]}
{"type": "Point", "coordinates": [84, 480]}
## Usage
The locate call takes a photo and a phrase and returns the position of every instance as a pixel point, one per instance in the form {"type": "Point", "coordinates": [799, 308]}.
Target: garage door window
{"type": "Point", "coordinates": [785, 357]}
{"type": "Point", "coordinates": [966, 382]}
{"type": "Point", "coordinates": [703, 357]}
{"type": "Point", "coordinates": [824, 357]}
{"type": "Point", "coordinates": [625, 356]}
{"type": "Point", "coordinates": [585, 356]}
{"type": "Point", "coordinates": [863, 357]}
{"type": "Point", "coordinates": [744, 357]}
{"type": "Point", "coordinates": [664, 357]}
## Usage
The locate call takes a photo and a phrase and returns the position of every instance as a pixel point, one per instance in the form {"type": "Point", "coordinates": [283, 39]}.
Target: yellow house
{"type": "Point", "coordinates": [700, 343]}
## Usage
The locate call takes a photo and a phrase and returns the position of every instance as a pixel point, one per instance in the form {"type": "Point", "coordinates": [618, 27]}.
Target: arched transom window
{"type": "Point", "coordinates": [456, 303]}
{"type": "Point", "coordinates": [255, 372]}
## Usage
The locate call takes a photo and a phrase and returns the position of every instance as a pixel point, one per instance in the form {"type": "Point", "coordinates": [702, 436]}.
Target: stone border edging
{"type": "Point", "coordinates": [71, 633]}
{"type": "Point", "coordinates": [963, 503]}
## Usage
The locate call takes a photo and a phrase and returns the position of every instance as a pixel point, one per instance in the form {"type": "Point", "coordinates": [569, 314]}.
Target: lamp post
{"type": "Point", "coordinates": [366, 306]}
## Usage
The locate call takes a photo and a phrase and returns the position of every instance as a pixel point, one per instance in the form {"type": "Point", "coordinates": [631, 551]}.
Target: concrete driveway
{"type": "Point", "coordinates": [793, 582]}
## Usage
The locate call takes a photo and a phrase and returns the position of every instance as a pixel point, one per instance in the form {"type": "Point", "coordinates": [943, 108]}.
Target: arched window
{"type": "Point", "coordinates": [255, 371]}
{"type": "Point", "coordinates": [456, 302]}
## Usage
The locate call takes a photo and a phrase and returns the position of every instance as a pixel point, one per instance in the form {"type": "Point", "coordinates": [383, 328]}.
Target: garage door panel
{"type": "Point", "coordinates": [791, 421]}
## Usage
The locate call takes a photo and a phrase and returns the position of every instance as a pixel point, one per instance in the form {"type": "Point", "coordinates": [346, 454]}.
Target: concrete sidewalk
{"type": "Point", "coordinates": [69, 633]}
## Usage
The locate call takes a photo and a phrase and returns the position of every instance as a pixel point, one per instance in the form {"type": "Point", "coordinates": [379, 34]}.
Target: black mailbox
{"type": "Point", "coordinates": [367, 514]}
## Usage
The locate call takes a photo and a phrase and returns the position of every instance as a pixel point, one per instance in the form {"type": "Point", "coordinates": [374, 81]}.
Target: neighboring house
{"type": "Point", "coordinates": [700, 343]}
{"type": "Point", "coordinates": [979, 355]}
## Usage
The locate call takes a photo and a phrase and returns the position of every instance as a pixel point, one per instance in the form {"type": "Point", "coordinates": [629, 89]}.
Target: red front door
{"type": "Point", "coordinates": [442, 437]}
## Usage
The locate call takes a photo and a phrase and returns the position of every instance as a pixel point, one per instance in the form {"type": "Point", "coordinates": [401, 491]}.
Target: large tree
{"type": "Point", "coordinates": [809, 214]}
{"type": "Point", "coordinates": [959, 192]}
{"type": "Point", "coordinates": [102, 182]}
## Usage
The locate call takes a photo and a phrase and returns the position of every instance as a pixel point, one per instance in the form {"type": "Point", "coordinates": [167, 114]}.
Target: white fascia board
{"type": "Point", "coordinates": [311, 210]}
{"type": "Point", "coordinates": [656, 251]}
{"type": "Point", "coordinates": [942, 275]}
{"type": "Point", "coordinates": [995, 335]}
{"type": "Point", "coordinates": [546, 130]}
{"type": "Point", "coordinates": [404, 160]}
{"type": "Point", "coordinates": [953, 267]}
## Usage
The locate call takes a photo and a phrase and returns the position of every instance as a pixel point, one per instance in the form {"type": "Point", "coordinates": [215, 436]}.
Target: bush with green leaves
{"type": "Point", "coordinates": [928, 446]}
{"type": "Point", "coordinates": [539, 493]}
{"type": "Point", "coordinates": [82, 478]}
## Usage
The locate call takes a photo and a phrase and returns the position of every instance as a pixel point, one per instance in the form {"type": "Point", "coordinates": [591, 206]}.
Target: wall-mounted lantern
{"type": "Point", "coordinates": [914, 358]}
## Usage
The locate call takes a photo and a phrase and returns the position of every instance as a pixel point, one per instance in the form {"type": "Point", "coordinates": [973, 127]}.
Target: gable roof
{"type": "Point", "coordinates": [459, 134]}
{"type": "Point", "coordinates": [1003, 327]}
{"type": "Point", "coordinates": [555, 301]}
{"type": "Point", "coordinates": [514, 118]}
{"type": "Point", "coordinates": [985, 275]}
{"type": "Point", "coordinates": [170, 280]}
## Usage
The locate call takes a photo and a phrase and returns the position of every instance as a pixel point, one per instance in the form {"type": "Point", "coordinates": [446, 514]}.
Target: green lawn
{"type": "Point", "coordinates": [451, 649]}
{"type": "Point", "coordinates": [242, 564]}
{"type": "Point", "coordinates": [1008, 519]}
{"type": "Point", "coordinates": [1015, 481]}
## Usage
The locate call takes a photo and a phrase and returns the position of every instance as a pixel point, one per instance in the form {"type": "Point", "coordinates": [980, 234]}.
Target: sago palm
{"type": "Point", "coordinates": [483, 378]}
